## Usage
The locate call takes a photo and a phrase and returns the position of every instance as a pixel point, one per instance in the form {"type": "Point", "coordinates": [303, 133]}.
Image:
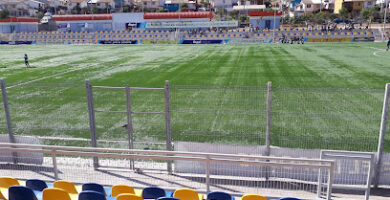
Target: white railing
{"type": "Point", "coordinates": [207, 158]}
{"type": "Point", "coordinates": [362, 158]}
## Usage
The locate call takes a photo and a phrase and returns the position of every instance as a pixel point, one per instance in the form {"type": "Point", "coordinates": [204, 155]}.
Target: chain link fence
{"type": "Point", "coordinates": [229, 115]}
{"type": "Point", "coordinates": [306, 118]}
{"type": "Point", "coordinates": [212, 116]}
{"type": "Point", "coordinates": [342, 119]}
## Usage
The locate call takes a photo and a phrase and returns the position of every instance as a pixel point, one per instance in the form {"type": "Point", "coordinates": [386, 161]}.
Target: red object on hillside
{"type": "Point", "coordinates": [82, 17]}
{"type": "Point", "coordinates": [262, 14]}
{"type": "Point", "coordinates": [19, 19]}
{"type": "Point", "coordinates": [178, 15]}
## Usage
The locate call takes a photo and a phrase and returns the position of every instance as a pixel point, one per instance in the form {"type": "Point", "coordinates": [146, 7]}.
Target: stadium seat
{"type": "Point", "coordinates": [55, 194]}
{"type": "Point", "coordinates": [21, 193]}
{"type": "Point", "coordinates": [187, 194]}
{"type": "Point", "coordinates": [93, 187]}
{"type": "Point", "coordinates": [219, 196]}
{"type": "Point", "coordinates": [91, 195]}
{"type": "Point", "coordinates": [168, 198]}
{"type": "Point", "coordinates": [289, 198]}
{"type": "Point", "coordinates": [120, 189]}
{"type": "Point", "coordinates": [153, 192]}
{"type": "Point", "coordinates": [36, 184]}
{"type": "Point", "coordinates": [5, 183]}
{"type": "Point", "coordinates": [66, 185]}
{"type": "Point", "coordinates": [253, 197]}
{"type": "Point", "coordinates": [127, 196]}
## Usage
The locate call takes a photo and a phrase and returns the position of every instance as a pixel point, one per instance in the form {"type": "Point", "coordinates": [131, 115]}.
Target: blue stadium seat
{"type": "Point", "coordinates": [168, 198]}
{"type": "Point", "coordinates": [93, 187]}
{"type": "Point", "coordinates": [219, 196]}
{"type": "Point", "coordinates": [91, 195]}
{"type": "Point", "coordinates": [153, 192]}
{"type": "Point", "coordinates": [21, 193]}
{"type": "Point", "coordinates": [36, 184]}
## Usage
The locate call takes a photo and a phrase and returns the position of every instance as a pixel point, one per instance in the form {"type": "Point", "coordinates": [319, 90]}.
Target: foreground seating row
{"type": "Point", "coordinates": [35, 189]}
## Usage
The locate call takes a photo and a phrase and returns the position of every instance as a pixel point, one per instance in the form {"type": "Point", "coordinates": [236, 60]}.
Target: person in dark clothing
{"type": "Point", "coordinates": [388, 45]}
{"type": "Point", "coordinates": [26, 61]}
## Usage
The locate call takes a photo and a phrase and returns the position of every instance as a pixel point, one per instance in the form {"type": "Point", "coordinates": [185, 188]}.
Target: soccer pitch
{"type": "Point", "coordinates": [324, 95]}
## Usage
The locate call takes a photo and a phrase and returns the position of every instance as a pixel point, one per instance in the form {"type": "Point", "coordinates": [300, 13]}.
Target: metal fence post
{"type": "Point", "coordinates": [382, 135]}
{"type": "Point", "coordinates": [207, 174]}
{"type": "Point", "coordinates": [92, 124]}
{"type": "Point", "coordinates": [268, 126]}
{"type": "Point", "coordinates": [8, 118]}
{"type": "Point", "coordinates": [168, 123]}
{"type": "Point", "coordinates": [54, 160]}
{"type": "Point", "coordinates": [129, 124]}
{"type": "Point", "coordinates": [330, 181]}
{"type": "Point", "coordinates": [319, 186]}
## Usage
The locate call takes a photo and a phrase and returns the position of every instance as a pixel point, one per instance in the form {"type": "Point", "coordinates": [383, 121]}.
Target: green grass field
{"type": "Point", "coordinates": [324, 95]}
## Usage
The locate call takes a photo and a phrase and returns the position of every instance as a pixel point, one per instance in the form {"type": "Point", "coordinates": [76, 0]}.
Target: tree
{"type": "Point", "coordinates": [161, 10]}
{"type": "Point", "coordinates": [95, 10]}
{"type": "Point", "coordinates": [367, 14]}
{"type": "Point", "coordinates": [221, 12]}
{"type": "Point", "coordinates": [344, 12]}
{"type": "Point", "coordinates": [4, 14]}
{"type": "Point", "coordinates": [76, 9]}
{"type": "Point", "coordinates": [234, 15]}
{"type": "Point", "coordinates": [183, 6]}
{"type": "Point", "coordinates": [321, 17]}
{"type": "Point", "coordinates": [40, 15]}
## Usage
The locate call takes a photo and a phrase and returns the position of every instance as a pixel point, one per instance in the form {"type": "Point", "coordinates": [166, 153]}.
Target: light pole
{"type": "Point", "coordinates": [274, 26]}
{"type": "Point", "coordinates": [384, 21]}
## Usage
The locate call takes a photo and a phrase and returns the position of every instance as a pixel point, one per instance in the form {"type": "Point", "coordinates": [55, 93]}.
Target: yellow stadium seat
{"type": "Point", "coordinates": [128, 196]}
{"type": "Point", "coordinates": [5, 183]}
{"type": "Point", "coordinates": [120, 189]}
{"type": "Point", "coordinates": [55, 194]}
{"type": "Point", "coordinates": [66, 185]}
{"type": "Point", "coordinates": [187, 194]}
{"type": "Point", "coordinates": [253, 197]}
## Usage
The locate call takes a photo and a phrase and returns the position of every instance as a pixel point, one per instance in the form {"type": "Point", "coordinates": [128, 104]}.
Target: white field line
{"type": "Point", "coordinates": [43, 78]}
{"type": "Point", "coordinates": [375, 53]}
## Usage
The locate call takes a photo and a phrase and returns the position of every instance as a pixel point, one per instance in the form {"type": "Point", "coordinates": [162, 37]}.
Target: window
{"type": "Point", "coordinates": [153, 3]}
{"type": "Point", "coordinates": [308, 6]}
{"type": "Point", "coordinates": [145, 3]}
{"type": "Point", "coordinates": [369, 3]}
{"type": "Point", "coordinates": [223, 1]}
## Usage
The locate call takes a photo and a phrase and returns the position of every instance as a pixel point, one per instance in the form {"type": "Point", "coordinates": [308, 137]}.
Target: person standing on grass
{"type": "Point", "coordinates": [26, 61]}
{"type": "Point", "coordinates": [388, 44]}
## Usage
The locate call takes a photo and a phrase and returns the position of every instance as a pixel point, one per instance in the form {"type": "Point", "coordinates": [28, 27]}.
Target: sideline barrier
{"type": "Point", "coordinates": [118, 42]}
{"type": "Point", "coordinates": [341, 39]}
{"type": "Point", "coordinates": [159, 42]}
{"type": "Point", "coordinates": [16, 42]}
{"type": "Point", "coordinates": [204, 42]}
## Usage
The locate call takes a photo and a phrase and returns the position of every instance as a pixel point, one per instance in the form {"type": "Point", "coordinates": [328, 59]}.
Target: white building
{"type": "Point", "coordinates": [312, 6]}
{"type": "Point", "coordinates": [102, 4]}
{"type": "Point", "coordinates": [227, 4]}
